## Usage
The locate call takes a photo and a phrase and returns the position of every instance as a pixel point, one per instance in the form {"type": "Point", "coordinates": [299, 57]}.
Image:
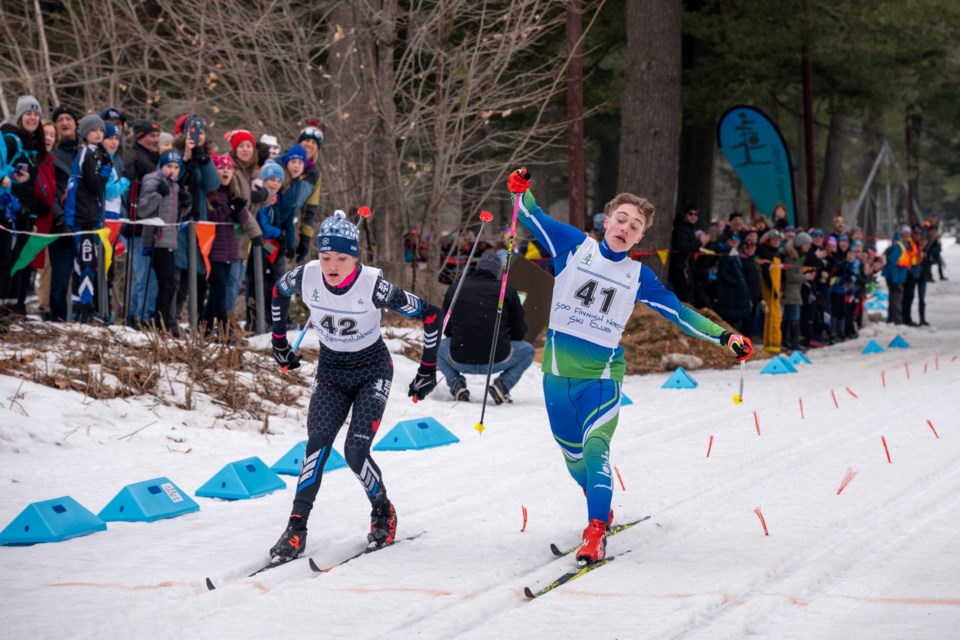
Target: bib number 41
{"type": "Point", "coordinates": [587, 295]}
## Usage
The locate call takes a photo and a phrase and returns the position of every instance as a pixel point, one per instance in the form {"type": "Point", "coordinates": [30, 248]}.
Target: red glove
{"type": "Point", "coordinates": [741, 346]}
{"type": "Point", "coordinates": [519, 181]}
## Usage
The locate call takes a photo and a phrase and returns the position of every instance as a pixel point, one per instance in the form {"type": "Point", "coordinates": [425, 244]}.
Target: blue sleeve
{"type": "Point", "coordinates": [556, 237]}
{"type": "Point", "coordinates": [263, 219]}
{"type": "Point", "coordinates": [208, 178]}
{"type": "Point", "coordinates": [656, 296]}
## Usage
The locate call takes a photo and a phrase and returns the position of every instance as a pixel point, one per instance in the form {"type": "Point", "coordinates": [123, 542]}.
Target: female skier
{"type": "Point", "coordinates": [596, 288]}
{"type": "Point", "coordinates": [355, 370]}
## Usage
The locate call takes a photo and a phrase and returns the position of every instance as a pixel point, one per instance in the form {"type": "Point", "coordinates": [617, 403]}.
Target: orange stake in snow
{"type": "Point", "coordinates": [756, 422]}
{"type": "Point", "coordinates": [763, 522]}
{"type": "Point", "coordinates": [801, 410]}
{"type": "Point", "coordinates": [709, 446]}
{"type": "Point", "coordinates": [906, 366]}
{"type": "Point", "coordinates": [936, 363]}
{"type": "Point", "coordinates": [834, 396]}
{"type": "Point", "coordinates": [619, 478]}
{"type": "Point", "coordinates": [852, 393]}
{"type": "Point", "coordinates": [524, 527]}
{"type": "Point", "coordinates": [930, 424]}
{"type": "Point", "coordinates": [846, 480]}
{"type": "Point", "coordinates": [883, 378]}
{"type": "Point", "coordinates": [883, 439]}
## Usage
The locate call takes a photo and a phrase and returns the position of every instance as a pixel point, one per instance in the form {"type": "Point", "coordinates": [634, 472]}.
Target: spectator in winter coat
{"type": "Point", "coordinates": [243, 151]}
{"type": "Point", "coordinates": [466, 349]}
{"type": "Point", "coordinates": [914, 245]}
{"type": "Point", "coordinates": [751, 275]}
{"type": "Point", "coordinates": [45, 197]}
{"type": "Point", "coordinates": [931, 257]}
{"type": "Point", "coordinates": [225, 206]}
{"type": "Point", "coordinates": [733, 296]}
{"type": "Point", "coordinates": [141, 160]}
{"type": "Point", "coordinates": [778, 218]}
{"type": "Point", "coordinates": [270, 250]}
{"type": "Point", "coordinates": [162, 197]}
{"type": "Point", "coordinates": [117, 184]}
{"type": "Point", "coordinates": [895, 273]}
{"type": "Point", "coordinates": [795, 252]}
{"type": "Point", "coordinates": [703, 271]}
{"type": "Point", "coordinates": [296, 189]}
{"type": "Point", "coordinates": [683, 242]}
{"type": "Point", "coordinates": [768, 253]}
{"type": "Point", "coordinates": [735, 226]}
{"type": "Point", "coordinates": [24, 150]}
{"type": "Point", "coordinates": [311, 139]}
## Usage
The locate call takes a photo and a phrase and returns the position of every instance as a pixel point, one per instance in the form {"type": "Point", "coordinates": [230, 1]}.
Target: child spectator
{"type": "Point", "coordinates": [271, 250]}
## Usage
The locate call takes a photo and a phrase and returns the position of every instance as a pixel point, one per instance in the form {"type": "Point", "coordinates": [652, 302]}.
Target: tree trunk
{"type": "Point", "coordinates": [651, 114]}
{"type": "Point", "coordinates": [838, 139]}
{"type": "Point", "coordinates": [698, 145]}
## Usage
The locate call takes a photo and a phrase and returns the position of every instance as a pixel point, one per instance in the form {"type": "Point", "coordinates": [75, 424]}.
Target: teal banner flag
{"type": "Point", "coordinates": [758, 153]}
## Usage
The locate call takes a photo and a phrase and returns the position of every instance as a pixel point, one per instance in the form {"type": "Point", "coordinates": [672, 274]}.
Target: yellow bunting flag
{"type": "Point", "coordinates": [663, 255]}
{"type": "Point", "coordinates": [107, 247]}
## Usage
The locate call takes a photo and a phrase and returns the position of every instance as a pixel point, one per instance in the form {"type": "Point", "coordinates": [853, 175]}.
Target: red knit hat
{"type": "Point", "coordinates": [178, 127]}
{"type": "Point", "coordinates": [237, 136]}
{"type": "Point", "coordinates": [222, 161]}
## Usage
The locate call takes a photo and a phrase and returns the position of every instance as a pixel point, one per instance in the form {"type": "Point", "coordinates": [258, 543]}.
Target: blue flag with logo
{"type": "Point", "coordinates": [758, 154]}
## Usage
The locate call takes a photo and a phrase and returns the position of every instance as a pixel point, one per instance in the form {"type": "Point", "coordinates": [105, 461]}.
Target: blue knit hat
{"type": "Point", "coordinates": [271, 170]}
{"type": "Point", "coordinates": [296, 151]}
{"type": "Point", "coordinates": [110, 131]}
{"type": "Point", "coordinates": [339, 234]}
{"type": "Point", "coordinates": [170, 157]}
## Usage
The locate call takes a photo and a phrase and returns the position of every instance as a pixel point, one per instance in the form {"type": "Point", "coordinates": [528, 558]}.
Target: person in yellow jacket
{"type": "Point", "coordinates": [768, 253]}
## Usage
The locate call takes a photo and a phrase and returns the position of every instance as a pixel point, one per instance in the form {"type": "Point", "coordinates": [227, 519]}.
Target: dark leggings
{"type": "Point", "coordinates": [362, 382]}
{"type": "Point", "coordinates": [215, 311]}
{"type": "Point", "coordinates": [162, 263]}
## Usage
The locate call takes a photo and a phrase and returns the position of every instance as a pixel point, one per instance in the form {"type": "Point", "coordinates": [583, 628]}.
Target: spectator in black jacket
{"type": "Point", "coordinates": [733, 295]}
{"type": "Point", "coordinates": [682, 244]}
{"type": "Point", "coordinates": [470, 333]}
{"type": "Point", "coordinates": [141, 160]}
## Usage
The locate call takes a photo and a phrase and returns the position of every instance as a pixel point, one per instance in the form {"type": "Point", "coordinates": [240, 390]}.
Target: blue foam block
{"type": "Point", "coordinates": [51, 521]}
{"type": "Point", "coordinates": [872, 347]}
{"type": "Point", "coordinates": [798, 358]}
{"type": "Point", "coordinates": [779, 365]}
{"type": "Point", "coordinates": [899, 343]}
{"type": "Point", "coordinates": [292, 461]}
{"type": "Point", "coordinates": [624, 400]}
{"type": "Point", "coordinates": [679, 379]}
{"type": "Point", "coordinates": [148, 501]}
{"type": "Point", "coordinates": [240, 480]}
{"type": "Point", "coordinates": [420, 433]}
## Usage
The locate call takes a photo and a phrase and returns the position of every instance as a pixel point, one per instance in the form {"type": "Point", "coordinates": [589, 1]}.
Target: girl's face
{"type": "Point", "coordinates": [226, 175]}
{"type": "Point", "coordinates": [111, 144]}
{"type": "Point", "coordinates": [245, 151]}
{"type": "Point", "coordinates": [50, 136]}
{"type": "Point", "coordinates": [336, 266]}
{"type": "Point", "coordinates": [94, 137]}
{"type": "Point", "coordinates": [311, 146]}
{"type": "Point", "coordinates": [272, 185]}
{"type": "Point", "coordinates": [170, 170]}
{"type": "Point", "coordinates": [295, 167]}
{"type": "Point", "coordinates": [30, 121]}
{"type": "Point", "coordinates": [624, 227]}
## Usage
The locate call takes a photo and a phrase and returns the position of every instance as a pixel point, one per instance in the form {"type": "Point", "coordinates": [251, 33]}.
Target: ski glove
{"type": "Point", "coordinates": [163, 188]}
{"type": "Point", "coordinates": [423, 383]}
{"type": "Point", "coordinates": [741, 346]}
{"type": "Point", "coordinates": [236, 204]}
{"type": "Point", "coordinates": [519, 181]}
{"type": "Point", "coordinates": [283, 354]}
{"type": "Point", "coordinates": [106, 171]}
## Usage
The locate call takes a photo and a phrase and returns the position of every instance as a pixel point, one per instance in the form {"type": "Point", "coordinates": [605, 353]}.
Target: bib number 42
{"type": "Point", "coordinates": [341, 326]}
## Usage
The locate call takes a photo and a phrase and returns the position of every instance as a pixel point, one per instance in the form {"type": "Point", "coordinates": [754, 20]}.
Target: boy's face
{"type": "Point", "coordinates": [624, 227]}
{"type": "Point", "coordinates": [111, 144]}
{"type": "Point", "coordinates": [311, 146]}
{"type": "Point", "coordinates": [170, 170]}
{"type": "Point", "coordinates": [295, 167]}
{"type": "Point", "coordinates": [95, 136]}
{"type": "Point", "coordinates": [272, 185]}
{"type": "Point", "coordinates": [336, 266]}
{"type": "Point", "coordinates": [226, 175]}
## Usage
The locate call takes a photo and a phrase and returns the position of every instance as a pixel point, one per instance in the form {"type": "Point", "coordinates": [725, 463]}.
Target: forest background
{"type": "Point", "coordinates": [426, 105]}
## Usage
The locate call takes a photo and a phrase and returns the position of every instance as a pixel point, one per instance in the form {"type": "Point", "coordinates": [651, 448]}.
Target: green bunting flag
{"type": "Point", "coordinates": [35, 244]}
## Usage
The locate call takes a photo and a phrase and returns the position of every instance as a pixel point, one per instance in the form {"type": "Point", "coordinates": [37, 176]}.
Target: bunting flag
{"type": "Point", "coordinates": [759, 156]}
{"type": "Point", "coordinates": [119, 246]}
{"type": "Point", "coordinates": [272, 249]}
{"type": "Point", "coordinates": [105, 242]}
{"type": "Point", "coordinates": [34, 245]}
{"type": "Point", "coordinates": [663, 255]}
{"type": "Point", "coordinates": [206, 231]}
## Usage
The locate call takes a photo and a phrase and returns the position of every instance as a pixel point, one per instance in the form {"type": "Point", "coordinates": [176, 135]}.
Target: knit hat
{"type": "Point", "coordinates": [801, 239]}
{"type": "Point", "coordinates": [186, 122]}
{"type": "Point", "coordinates": [60, 110]}
{"type": "Point", "coordinates": [87, 124]}
{"type": "Point", "coordinates": [816, 233]}
{"type": "Point", "coordinates": [296, 151]}
{"type": "Point", "coordinates": [238, 136]}
{"type": "Point", "coordinates": [314, 133]}
{"type": "Point", "coordinates": [222, 161]}
{"type": "Point", "coordinates": [832, 240]}
{"type": "Point", "coordinates": [112, 113]}
{"type": "Point", "coordinates": [905, 229]}
{"type": "Point", "coordinates": [170, 157]}
{"type": "Point", "coordinates": [110, 131]}
{"type": "Point", "coordinates": [338, 234]}
{"type": "Point", "coordinates": [271, 170]}
{"type": "Point", "coordinates": [491, 263]}
{"type": "Point", "coordinates": [26, 104]}
{"type": "Point", "coordinates": [144, 127]}
{"type": "Point", "coordinates": [166, 138]}
{"type": "Point", "coordinates": [843, 238]}
{"type": "Point", "coordinates": [270, 141]}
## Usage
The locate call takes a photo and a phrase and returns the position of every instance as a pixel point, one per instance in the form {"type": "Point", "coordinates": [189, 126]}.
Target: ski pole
{"type": "Point", "coordinates": [485, 217]}
{"type": "Point", "coordinates": [496, 327]}
{"type": "Point", "coordinates": [738, 399]}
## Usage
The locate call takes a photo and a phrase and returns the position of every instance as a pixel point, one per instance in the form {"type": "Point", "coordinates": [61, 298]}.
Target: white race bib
{"type": "Point", "coordinates": [348, 322]}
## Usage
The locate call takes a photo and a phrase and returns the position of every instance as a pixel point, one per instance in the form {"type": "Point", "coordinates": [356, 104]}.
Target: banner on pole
{"type": "Point", "coordinates": [753, 145]}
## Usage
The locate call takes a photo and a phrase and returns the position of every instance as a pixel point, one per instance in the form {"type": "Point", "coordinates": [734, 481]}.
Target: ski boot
{"type": "Point", "coordinates": [292, 541]}
{"type": "Point", "coordinates": [594, 545]}
{"type": "Point", "coordinates": [383, 526]}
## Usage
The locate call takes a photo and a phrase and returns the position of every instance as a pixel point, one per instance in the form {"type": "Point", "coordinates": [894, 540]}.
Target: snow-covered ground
{"type": "Point", "coordinates": [879, 560]}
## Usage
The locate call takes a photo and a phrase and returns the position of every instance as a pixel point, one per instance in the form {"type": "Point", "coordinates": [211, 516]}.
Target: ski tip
{"type": "Point", "coordinates": [530, 594]}
{"type": "Point", "coordinates": [556, 550]}
{"type": "Point", "coordinates": [316, 568]}
{"type": "Point", "coordinates": [210, 585]}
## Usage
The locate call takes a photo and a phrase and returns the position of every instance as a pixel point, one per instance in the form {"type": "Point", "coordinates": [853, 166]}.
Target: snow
{"type": "Point", "coordinates": [879, 560]}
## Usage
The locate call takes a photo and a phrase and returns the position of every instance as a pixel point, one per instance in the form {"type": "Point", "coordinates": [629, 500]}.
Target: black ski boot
{"type": "Point", "coordinates": [292, 542]}
{"type": "Point", "coordinates": [383, 525]}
